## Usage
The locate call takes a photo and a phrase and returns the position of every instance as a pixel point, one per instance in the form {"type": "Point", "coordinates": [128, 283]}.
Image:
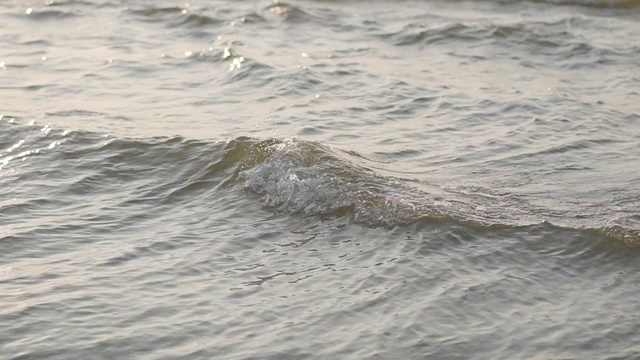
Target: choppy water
{"type": "Point", "coordinates": [319, 179]}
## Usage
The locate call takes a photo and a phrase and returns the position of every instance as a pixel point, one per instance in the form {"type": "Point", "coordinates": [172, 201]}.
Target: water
{"type": "Point", "coordinates": [319, 179]}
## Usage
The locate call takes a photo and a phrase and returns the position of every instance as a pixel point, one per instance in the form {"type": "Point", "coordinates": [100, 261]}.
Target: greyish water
{"type": "Point", "coordinates": [319, 179]}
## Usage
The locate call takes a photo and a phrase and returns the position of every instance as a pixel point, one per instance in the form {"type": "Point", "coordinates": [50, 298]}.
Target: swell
{"type": "Point", "coordinates": [293, 177]}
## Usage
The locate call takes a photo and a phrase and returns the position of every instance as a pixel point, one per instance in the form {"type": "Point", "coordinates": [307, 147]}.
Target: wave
{"type": "Point", "coordinates": [310, 178]}
{"type": "Point", "coordinates": [291, 176]}
{"type": "Point", "coordinates": [301, 177]}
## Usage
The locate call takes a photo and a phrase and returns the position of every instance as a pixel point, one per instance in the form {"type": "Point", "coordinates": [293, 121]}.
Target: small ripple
{"type": "Point", "coordinates": [289, 12]}
{"type": "Point", "coordinates": [157, 13]}
{"type": "Point", "coordinates": [413, 34]}
{"type": "Point", "coordinates": [197, 21]}
{"type": "Point", "coordinates": [50, 15]}
{"type": "Point", "coordinates": [174, 17]}
{"type": "Point", "coordinates": [74, 3]}
{"type": "Point", "coordinates": [252, 18]}
{"type": "Point", "coordinates": [245, 70]}
{"type": "Point", "coordinates": [562, 41]}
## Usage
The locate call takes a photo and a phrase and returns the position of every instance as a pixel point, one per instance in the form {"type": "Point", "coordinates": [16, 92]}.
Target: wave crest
{"type": "Point", "coordinates": [312, 179]}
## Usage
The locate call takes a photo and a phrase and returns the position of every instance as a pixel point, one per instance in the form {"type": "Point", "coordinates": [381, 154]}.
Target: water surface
{"type": "Point", "coordinates": [319, 179]}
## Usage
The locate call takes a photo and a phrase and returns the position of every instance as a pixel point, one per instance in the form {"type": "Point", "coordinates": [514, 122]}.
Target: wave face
{"type": "Point", "coordinates": [308, 178]}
